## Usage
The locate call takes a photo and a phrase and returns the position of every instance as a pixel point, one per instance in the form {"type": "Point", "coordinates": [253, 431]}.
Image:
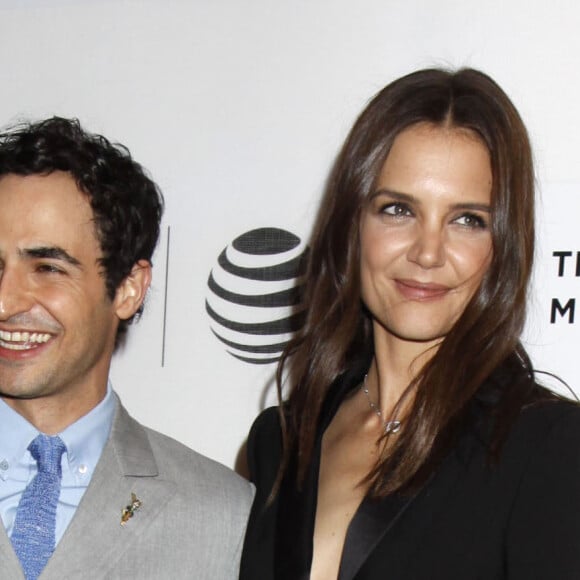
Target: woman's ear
{"type": "Point", "coordinates": [132, 290]}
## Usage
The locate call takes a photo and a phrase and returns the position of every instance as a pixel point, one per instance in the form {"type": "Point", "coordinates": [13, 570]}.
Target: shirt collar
{"type": "Point", "coordinates": [84, 439]}
{"type": "Point", "coordinates": [16, 433]}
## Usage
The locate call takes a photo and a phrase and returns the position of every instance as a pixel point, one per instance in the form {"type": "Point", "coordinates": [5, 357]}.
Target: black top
{"type": "Point", "coordinates": [516, 519]}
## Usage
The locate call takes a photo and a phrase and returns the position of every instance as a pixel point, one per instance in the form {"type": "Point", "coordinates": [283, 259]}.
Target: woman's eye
{"type": "Point", "coordinates": [396, 209]}
{"type": "Point", "coordinates": [470, 220]}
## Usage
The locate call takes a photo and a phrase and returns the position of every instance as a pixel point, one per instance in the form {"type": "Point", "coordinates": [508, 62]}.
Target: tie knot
{"type": "Point", "coordinates": [48, 453]}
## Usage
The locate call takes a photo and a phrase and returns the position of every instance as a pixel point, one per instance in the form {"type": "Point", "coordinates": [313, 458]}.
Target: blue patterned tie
{"type": "Point", "coordinates": [34, 525]}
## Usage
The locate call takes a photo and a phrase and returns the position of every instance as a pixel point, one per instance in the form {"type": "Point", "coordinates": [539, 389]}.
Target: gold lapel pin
{"type": "Point", "coordinates": [129, 510]}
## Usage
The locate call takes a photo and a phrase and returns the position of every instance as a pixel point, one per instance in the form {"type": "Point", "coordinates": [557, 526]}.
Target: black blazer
{"type": "Point", "coordinates": [516, 519]}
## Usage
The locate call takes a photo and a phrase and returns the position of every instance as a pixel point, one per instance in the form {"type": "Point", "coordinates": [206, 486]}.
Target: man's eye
{"type": "Point", "coordinates": [49, 269]}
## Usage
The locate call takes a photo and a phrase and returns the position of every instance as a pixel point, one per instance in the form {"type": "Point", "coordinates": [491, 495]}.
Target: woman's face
{"type": "Point", "coordinates": [425, 237]}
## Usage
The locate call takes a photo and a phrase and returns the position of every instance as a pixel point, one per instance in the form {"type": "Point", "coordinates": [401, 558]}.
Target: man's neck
{"type": "Point", "coordinates": [52, 415]}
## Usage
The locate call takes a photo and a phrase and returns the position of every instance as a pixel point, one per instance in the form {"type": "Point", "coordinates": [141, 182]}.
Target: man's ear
{"type": "Point", "coordinates": [132, 290]}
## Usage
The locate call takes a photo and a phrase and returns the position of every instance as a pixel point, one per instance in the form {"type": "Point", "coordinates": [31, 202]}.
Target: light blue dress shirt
{"type": "Point", "coordinates": [84, 440]}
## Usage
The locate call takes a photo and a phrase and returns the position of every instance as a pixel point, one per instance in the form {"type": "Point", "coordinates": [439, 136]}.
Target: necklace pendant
{"type": "Point", "coordinates": [392, 427]}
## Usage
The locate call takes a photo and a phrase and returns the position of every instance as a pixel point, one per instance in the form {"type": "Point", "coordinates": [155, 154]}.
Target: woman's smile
{"type": "Point", "coordinates": [421, 291]}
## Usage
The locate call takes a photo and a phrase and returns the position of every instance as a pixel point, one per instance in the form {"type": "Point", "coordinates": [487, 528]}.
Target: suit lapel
{"type": "Point", "coordinates": [10, 564]}
{"type": "Point", "coordinates": [372, 521]}
{"type": "Point", "coordinates": [95, 539]}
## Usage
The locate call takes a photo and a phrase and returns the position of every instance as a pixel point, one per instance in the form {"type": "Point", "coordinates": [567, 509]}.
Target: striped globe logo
{"type": "Point", "coordinates": [253, 297]}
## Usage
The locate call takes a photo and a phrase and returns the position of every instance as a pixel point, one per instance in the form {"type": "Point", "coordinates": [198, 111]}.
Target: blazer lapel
{"type": "Point", "coordinates": [372, 521]}
{"type": "Point", "coordinates": [10, 564]}
{"type": "Point", "coordinates": [95, 538]}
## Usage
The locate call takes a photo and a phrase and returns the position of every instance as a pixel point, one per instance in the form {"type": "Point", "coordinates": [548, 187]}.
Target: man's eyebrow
{"type": "Point", "coordinates": [51, 253]}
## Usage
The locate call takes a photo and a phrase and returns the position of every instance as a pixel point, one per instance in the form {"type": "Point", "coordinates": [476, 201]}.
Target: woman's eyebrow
{"type": "Point", "coordinates": [396, 195]}
{"type": "Point", "coordinates": [472, 206]}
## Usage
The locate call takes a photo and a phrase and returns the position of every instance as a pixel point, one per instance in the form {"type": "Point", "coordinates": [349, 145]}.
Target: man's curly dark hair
{"type": "Point", "coordinates": [127, 205]}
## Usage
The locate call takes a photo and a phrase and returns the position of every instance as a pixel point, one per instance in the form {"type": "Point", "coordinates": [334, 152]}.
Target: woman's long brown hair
{"type": "Point", "coordinates": [338, 330]}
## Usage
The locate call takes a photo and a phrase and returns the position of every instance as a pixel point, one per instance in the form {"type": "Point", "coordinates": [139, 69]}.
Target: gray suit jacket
{"type": "Point", "coordinates": [191, 522]}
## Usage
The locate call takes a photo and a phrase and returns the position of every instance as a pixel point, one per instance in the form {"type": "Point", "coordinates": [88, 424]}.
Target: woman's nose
{"type": "Point", "coordinates": [428, 247]}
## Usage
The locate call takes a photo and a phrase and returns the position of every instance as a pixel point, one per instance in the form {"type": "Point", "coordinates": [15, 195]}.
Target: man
{"type": "Point", "coordinates": [86, 491]}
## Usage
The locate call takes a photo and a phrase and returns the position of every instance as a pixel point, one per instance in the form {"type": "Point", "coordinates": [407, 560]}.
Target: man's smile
{"type": "Point", "coordinates": [22, 340]}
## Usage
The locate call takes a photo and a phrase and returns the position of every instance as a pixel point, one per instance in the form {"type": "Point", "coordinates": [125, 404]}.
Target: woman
{"type": "Point", "coordinates": [414, 442]}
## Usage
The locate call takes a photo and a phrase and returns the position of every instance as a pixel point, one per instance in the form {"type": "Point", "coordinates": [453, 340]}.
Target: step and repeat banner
{"type": "Point", "coordinates": [237, 109]}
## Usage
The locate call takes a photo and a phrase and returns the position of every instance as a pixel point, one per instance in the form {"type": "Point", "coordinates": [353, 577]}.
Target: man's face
{"type": "Point", "coordinates": [57, 325]}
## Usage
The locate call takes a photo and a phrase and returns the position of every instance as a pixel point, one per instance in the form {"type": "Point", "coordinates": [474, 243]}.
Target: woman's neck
{"type": "Point", "coordinates": [395, 365]}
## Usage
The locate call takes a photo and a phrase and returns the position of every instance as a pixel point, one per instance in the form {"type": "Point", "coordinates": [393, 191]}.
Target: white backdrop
{"type": "Point", "coordinates": [238, 108]}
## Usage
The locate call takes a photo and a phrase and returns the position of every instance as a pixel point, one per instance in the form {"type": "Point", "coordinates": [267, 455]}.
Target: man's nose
{"type": "Point", "coordinates": [15, 293]}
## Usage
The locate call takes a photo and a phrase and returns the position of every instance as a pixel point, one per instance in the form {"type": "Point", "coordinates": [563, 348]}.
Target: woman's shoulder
{"type": "Point", "coordinates": [266, 426]}
{"type": "Point", "coordinates": [541, 422]}
{"type": "Point", "coordinates": [549, 424]}
{"type": "Point", "coordinates": [543, 529]}
{"type": "Point", "coordinates": [265, 445]}
{"type": "Point", "coordinates": [512, 401]}
{"type": "Point", "coordinates": [547, 410]}
{"type": "Point", "coordinates": [543, 404]}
